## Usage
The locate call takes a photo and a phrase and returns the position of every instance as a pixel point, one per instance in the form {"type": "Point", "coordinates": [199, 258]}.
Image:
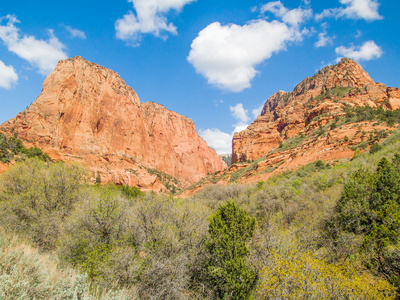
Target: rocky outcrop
{"type": "Point", "coordinates": [326, 117]}
{"type": "Point", "coordinates": [326, 93]}
{"type": "Point", "coordinates": [87, 113]}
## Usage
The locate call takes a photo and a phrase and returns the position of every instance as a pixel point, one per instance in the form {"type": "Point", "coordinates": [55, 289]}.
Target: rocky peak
{"type": "Point", "coordinates": [346, 73]}
{"type": "Point", "coordinates": [87, 113]}
{"type": "Point", "coordinates": [313, 103]}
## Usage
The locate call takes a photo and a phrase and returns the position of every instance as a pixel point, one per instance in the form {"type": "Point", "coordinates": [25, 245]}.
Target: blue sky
{"type": "Point", "coordinates": [214, 61]}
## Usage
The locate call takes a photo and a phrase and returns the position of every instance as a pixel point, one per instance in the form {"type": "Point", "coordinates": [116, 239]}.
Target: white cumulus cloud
{"type": "Point", "coordinates": [369, 50]}
{"type": "Point", "coordinates": [41, 54]}
{"type": "Point", "coordinates": [76, 33]}
{"type": "Point", "coordinates": [239, 113]}
{"type": "Point", "coordinates": [257, 111]}
{"type": "Point", "coordinates": [275, 7]}
{"type": "Point", "coordinates": [293, 17]}
{"type": "Point", "coordinates": [218, 140]}
{"type": "Point", "coordinates": [297, 16]}
{"type": "Point", "coordinates": [222, 141]}
{"type": "Point", "coordinates": [227, 55]}
{"type": "Point", "coordinates": [323, 40]}
{"type": "Point", "coordinates": [353, 9]}
{"type": "Point", "coordinates": [149, 18]}
{"type": "Point", "coordinates": [8, 77]}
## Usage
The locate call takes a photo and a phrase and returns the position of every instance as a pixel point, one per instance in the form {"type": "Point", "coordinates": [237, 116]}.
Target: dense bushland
{"type": "Point", "coordinates": [368, 213]}
{"type": "Point", "coordinates": [322, 231]}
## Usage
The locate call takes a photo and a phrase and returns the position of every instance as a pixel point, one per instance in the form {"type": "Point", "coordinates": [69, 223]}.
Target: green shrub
{"type": "Point", "coordinates": [229, 230]}
{"type": "Point", "coordinates": [292, 142]}
{"type": "Point", "coordinates": [370, 207]}
{"type": "Point", "coordinates": [319, 164]}
{"type": "Point", "coordinates": [375, 148]}
{"type": "Point", "coordinates": [93, 228]}
{"type": "Point", "coordinates": [26, 274]}
{"type": "Point", "coordinates": [130, 192]}
{"type": "Point", "coordinates": [35, 152]}
{"type": "Point", "coordinates": [36, 197]}
{"type": "Point", "coordinates": [237, 174]}
{"type": "Point", "coordinates": [154, 246]}
{"type": "Point", "coordinates": [11, 146]}
{"type": "Point", "coordinates": [366, 113]}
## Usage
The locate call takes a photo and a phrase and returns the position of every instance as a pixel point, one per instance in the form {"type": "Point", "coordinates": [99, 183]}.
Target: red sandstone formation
{"type": "Point", "coordinates": [310, 124]}
{"type": "Point", "coordinates": [87, 113]}
{"type": "Point", "coordinates": [286, 114]}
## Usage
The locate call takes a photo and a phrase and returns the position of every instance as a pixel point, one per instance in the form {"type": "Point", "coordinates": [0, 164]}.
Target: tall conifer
{"type": "Point", "coordinates": [229, 230]}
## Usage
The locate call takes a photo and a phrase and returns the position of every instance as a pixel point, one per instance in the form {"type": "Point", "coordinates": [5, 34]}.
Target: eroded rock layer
{"type": "Point", "coordinates": [87, 113]}
{"type": "Point", "coordinates": [286, 114]}
{"type": "Point", "coordinates": [326, 117]}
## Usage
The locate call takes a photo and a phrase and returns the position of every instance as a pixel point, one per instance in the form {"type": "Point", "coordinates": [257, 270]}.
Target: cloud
{"type": "Point", "coordinates": [293, 17]}
{"type": "Point", "coordinates": [257, 111]}
{"type": "Point", "coordinates": [76, 33]}
{"type": "Point", "coordinates": [239, 113]}
{"type": "Point", "coordinates": [8, 77]}
{"type": "Point", "coordinates": [329, 13]}
{"type": "Point", "coordinates": [149, 18]}
{"type": "Point", "coordinates": [226, 55]}
{"type": "Point", "coordinates": [323, 40]}
{"type": "Point", "coordinates": [297, 16]}
{"type": "Point", "coordinates": [353, 9]}
{"type": "Point", "coordinates": [275, 7]}
{"type": "Point", "coordinates": [218, 140]}
{"type": "Point", "coordinates": [222, 141]}
{"type": "Point", "coordinates": [369, 50]}
{"type": "Point", "coordinates": [41, 54]}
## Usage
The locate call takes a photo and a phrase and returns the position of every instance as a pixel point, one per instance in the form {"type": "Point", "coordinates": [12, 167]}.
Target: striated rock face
{"type": "Point", "coordinates": [87, 113]}
{"type": "Point", "coordinates": [326, 117]}
{"type": "Point", "coordinates": [287, 114]}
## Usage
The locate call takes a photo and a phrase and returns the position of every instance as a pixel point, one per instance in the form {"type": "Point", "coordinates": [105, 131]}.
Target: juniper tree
{"type": "Point", "coordinates": [229, 229]}
{"type": "Point", "coordinates": [370, 209]}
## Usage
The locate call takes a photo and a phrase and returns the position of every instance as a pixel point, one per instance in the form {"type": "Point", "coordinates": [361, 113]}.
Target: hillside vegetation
{"type": "Point", "coordinates": [13, 148]}
{"type": "Point", "coordinates": [324, 231]}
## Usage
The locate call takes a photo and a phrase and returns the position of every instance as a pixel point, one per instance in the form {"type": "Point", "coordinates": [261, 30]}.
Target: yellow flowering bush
{"type": "Point", "coordinates": [307, 277]}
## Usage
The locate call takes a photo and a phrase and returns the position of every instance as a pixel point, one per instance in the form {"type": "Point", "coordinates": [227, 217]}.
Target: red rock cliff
{"type": "Point", "coordinates": [87, 113]}
{"type": "Point", "coordinates": [314, 102]}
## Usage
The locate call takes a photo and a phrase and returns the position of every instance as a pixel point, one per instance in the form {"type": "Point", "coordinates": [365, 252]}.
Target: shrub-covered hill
{"type": "Point", "coordinates": [314, 233]}
{"type": "Point", "coordinates": [326, 117]}
{"type": "Point", "coordinates": [12, 148]}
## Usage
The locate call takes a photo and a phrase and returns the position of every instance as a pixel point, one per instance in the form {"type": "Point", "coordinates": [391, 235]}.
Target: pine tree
{"type": "Point", "coordinates": [229, 229]}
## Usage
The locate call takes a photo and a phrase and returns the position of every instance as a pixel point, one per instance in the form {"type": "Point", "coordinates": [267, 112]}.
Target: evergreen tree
{"type": "Point", "coordinates": [229, 229]}
{"type": "Point", "coordinates": [352, 211]}
{"type": "Point", "coordinates": [370, 208]}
